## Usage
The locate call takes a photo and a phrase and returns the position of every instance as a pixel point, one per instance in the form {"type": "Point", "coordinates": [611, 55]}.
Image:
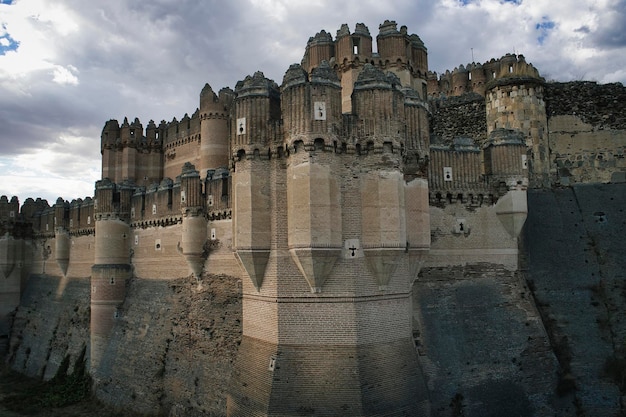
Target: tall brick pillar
{"type": "Point", "coordinates": [111, 267]}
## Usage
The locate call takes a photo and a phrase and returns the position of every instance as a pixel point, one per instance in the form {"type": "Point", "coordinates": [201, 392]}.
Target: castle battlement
{"type": "Point", "coordinates": [478, 78]}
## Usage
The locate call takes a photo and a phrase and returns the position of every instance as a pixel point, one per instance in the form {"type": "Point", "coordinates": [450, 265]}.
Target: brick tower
{"type": "Point", "coordinates": [330, 230]}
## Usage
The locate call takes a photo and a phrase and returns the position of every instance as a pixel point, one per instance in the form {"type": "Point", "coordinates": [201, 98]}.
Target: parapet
{"type": "Point", "coordinates": [477, 78]}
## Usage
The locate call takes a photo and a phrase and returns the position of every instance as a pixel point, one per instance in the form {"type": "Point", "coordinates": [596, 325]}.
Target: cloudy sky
{"type": "Point", "coordinates": [67, 66]}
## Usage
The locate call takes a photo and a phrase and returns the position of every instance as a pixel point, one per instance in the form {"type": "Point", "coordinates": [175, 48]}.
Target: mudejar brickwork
{"type": "Point", "coordinates": [362, 225]}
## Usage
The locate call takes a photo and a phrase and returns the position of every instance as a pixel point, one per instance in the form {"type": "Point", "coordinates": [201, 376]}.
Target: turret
{"type": "Point", "coordinates": [477, 78]}
{"type": "Point", "coordinates": [417, 141]}
{"type": "Point", "coordinates": [394, 50]}
{"type": "Point", "coordinates": [352, 52]}
{"type": "Point", "coordinates": [61, 235]}
{"type": "Point", "coordinates": [419, 58]}
{"type": "Point", "coordinates": [319, 48]}
{"type": "Point", "coordinates": [311, 110]}
{"type": "Point", "coordinates": [378, 104]}
{"type": "Point", "coordinates": [214, 128]}
{"type": "Point", "coordinates": [194, 231]}
{"type": "Point", "coordinates": [257, 107]}
{"type": "Point", "coordinates": [110, 141]}
{"type": "Point", "coordinates": [506, 167]}
{"type": "Point", "coordinates": [150, 159]}
{"type": "Point", "coordinates": [111, 267]}
{"type": "Point", "coordinates": [460, 80]}
{"type": "Point", "coordinates": [514, 100]}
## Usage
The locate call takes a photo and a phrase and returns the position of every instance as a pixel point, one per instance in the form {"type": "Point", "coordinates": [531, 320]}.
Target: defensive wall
{"type": "Point", "coordinates": [508, 314]}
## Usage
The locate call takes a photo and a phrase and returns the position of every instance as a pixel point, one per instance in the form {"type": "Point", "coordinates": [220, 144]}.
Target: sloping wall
{"type": "Point", "coordinates": [576, 263]}
{"type": "Point", "coordinates": [482, 344]}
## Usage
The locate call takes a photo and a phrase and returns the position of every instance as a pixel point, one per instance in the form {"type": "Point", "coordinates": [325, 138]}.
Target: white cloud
{"type": "Point", "coordinates": [65, 75]}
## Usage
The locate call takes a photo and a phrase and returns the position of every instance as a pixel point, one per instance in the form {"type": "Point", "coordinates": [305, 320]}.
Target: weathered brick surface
{"type": "Point", "coordinates": [326, 380]}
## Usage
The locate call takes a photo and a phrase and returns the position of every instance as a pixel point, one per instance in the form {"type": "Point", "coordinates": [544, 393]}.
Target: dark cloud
{"type": "Point", "coordinates": [611, 32]}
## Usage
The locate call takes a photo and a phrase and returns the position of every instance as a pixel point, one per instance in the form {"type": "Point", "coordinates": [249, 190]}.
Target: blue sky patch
{"type": "Point", "coordinates": [6, 1]}
{"type": "Point", "coordinates": [516, 2]}
{"type": "Point", "coordinates": [544, 28]}
{"type": "Point", "coordinates": [7, 43]}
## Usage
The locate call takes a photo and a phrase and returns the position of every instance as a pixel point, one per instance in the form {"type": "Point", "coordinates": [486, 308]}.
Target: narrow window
{"type": "Point", "coordinates": [356, 43]}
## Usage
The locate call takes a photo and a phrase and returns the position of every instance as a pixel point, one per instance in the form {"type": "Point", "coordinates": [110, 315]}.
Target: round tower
{"type": "Point", "coordinates": [515, 100]}
{"type": "Point", "coordinates": [419, 64]}
{"type": "Point", "coordinates": [214, 150]}
{"type": "Point", "coordinates": [194, 230]}
{"type": "Point", "coordinates": [477, 79]}
{"type": "Point", "coordinates": [109, 140]}
{"type": "Point", "coordinates": [393, 49]}
{"type": "Point", "coordinates": [111, 268]}
{"type": "Point", "coordinates": [378, 103]}
{"type": "Point", "coordinates": [460, 80]}
{"type": "Point", "coordinates": [319, 48]}
{"type": "Point", "coordinates": [61, 235]}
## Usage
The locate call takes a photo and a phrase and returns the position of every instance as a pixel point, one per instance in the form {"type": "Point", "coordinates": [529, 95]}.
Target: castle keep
{"type": "Point", "coordinates": [368, 212]}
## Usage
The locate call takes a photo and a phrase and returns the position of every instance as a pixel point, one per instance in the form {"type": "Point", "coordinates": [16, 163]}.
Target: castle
{"type": "Point", "coordinates": [327, 196]}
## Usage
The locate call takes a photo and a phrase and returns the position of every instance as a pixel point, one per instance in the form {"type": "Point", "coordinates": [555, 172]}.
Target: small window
{"type": "Point", "coordinates": [447, 173]}
{"type": "Point", "coordinates": [210, 200]}
{"type": "Point", "coordinates": [88, 219]}
{"type": "Point", "coordinates": [71, 222]}
{"type": "Point", "coordinates": [136, 239]}
{"type": "Point", "coordinates": [11, 213]}
{"type": "Point", "coordinates": [356, 43]}
{"type": "Point", "coordinates": [132, 212]}
{"type": "Point", "coordinates": [524, 162]}
{"type": "Point", "coordinates": [157, 244]}
{"type": "Point", "coordinates": [154, 210]}
{"type": "Point", "coordinates": [510, 69]}
{"type": "Point", "coordinates": [213, 236]}
{"type": "Point", "coordinates": [112, 281]}
{"type": "Point", "coordinates": [182, 196]}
